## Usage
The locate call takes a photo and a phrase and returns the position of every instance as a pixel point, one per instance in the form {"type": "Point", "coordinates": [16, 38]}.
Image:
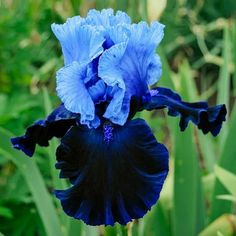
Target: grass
{"type": "Point", "coordinates": [199, 62]}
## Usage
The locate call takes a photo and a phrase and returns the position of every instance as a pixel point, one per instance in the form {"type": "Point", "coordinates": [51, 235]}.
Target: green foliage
{"type": "Point", "coordinates": [199, 61]}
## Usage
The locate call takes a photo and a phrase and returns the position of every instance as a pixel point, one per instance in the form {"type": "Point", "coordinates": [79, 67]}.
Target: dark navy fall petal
{"type": "Point", "coordinates": [56, 124]}
{"type": "Point", "coordinates": [117, 172]}
{"type": "Point", "coordinates": [207, 119]}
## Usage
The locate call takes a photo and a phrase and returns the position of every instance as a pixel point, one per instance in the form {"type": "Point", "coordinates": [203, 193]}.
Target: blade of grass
{"type": "Point", "coordinates": [207, 150]}
{"type": "Point", "coordinates": [116, 230]}
{"type": "Point", "coordinates": [225, 225]}
{"type": "Point", "coordinates": [91, 230]}
{"type": "Point", "coordinates": [227, 197]}
{"type": "Point", "coordinates": [233, 29]}
{"type": "Point", "coordinates": [186, 186]}
{"type": "Point", "coordinates": [143, 7]}
{"type": "Point", "coordinates": [100, 4]}
{"type": "Point", "coordinates": [205, 142]}
{"type": "Point", "coordinates": [224, 80]}
{"type": "Point", "coordinates": [57, 183]}
{"type": "Point", "coordinates": [76, 228]}
{"type": "Point", "coordinates": [122, 5]}
{"type": "Point", "coordinates": [227, 161]}
{"type": "Point", "coordinates": [227, 179]}
{"type": "Point", "coordinates": [166, 81]}
{"type": "Point", "coordinates": [187, 182]}
{"type": "Point", "coordinates": [155, 223]}
{"type": "Point", "coordinates": [34, 180]}
{"type": "Point", "coordinates": [68, 223]}
{"type": "Point", "coordinates": [133, 10]}
{"type": "Point", "coordinates": [75, 6]}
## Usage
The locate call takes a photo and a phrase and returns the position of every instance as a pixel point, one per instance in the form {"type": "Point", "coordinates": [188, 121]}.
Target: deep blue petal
{"type": "Point", "coordinates": [207, 119]}
{"type": "Point", "coordinates": [114, 181]}
{"type": "Point", "coordinates": [55, 125]}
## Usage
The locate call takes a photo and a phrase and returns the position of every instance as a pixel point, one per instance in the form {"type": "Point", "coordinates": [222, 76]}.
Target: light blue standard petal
{"type": "Point", "coordinates": [133, 63]}
{"type": "Point", "coordinates": [106, 18]}
{"type": "Point", "coordinates": [73, 93]}
{"type": "Point", "coordinates": [141, 51]}
{"type": "Point", "coordinates": [111, 74]}
{"type": "Point", "coordinates": [120, 18]}
{"type": "Point", "coordinates": [102, 18]}
{"type": "Point", "coordinates": [154, 70]}
{"type": "Point", "coordinates": [79, 42]}
{"type": "Point", "coordinates": [119, 33]}
{"type": "Point", "coordinates": [98, 91]}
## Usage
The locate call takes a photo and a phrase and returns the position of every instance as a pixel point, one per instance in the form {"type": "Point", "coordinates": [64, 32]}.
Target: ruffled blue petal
{"type": "Point", "coordinates": [106, 18]}
{"type": "Point", "coordinates": [131, 65]}
{"type": "Point", "coordinates": [112, 182]}
{"type": "Point", "coordinates": [80, 42]}
{"type": "Point", "coordinates": [72, 91]}
{"type": "Point", "coordinates": [55, 125]}
{"type": "Point", "coordinates": [109, 71]}
{"type": "Point", "coordinates": [207, 119]}
{"type": "Point", "coordinates": [98, 91]}
{"type": "Point", "coordinates": [120, 18]}
{"type": "Point", "coordinates": [140, 61]}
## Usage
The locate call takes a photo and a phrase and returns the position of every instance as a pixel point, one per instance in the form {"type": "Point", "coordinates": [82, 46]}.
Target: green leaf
{"type": "Point", "coordinates": [57, 182]}
{"type": "Point", "coordinates": [116, 230]}
{"type": "Point", "coordinates": [76, 227]}
{"type": "Point", "coordinates": [233, 29]}
{"type": "Point", "coordinates": [187, 189]}
{"type": "Point", "coordinates": [223, 95]}
{"type": "Point", "coordinates": [208, 151]}
{"type": "Point", "coordinates": [187, 182]}
{"type": "Point", "coordinates": [224, 225]}
{"type": "Point", "coordinates": [5, 212]}
{"type": "Point", "coordinates": [227, 179]}
{"type": "Point", "coordinates": [226, 161]}
{"type": "Point", "coordinates": [227, 198]}
{"type": "Point", "coordinates": [156, 222]}
{"type": "Point", "coordinates": [122, 5]}
{"type": "Point", "coordinates": [143, 11]}
{"type": "Point", "coordinates": [35, 182]}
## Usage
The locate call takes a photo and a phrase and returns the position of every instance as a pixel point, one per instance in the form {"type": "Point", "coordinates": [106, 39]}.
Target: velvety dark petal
{"type": "Point", "coordinates": [208, 119]}
{"type": "Point", "coordinates": [116, 177]}
{"type": "Point", "coordinates": [55, 125]}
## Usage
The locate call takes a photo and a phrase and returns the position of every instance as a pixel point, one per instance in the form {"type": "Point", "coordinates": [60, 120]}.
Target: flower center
{"type": "Point", "coordinates": [107, 132]}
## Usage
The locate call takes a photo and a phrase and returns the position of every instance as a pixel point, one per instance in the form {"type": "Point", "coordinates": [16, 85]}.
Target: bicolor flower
{"type": "Point", "coordinates": [114, 163]}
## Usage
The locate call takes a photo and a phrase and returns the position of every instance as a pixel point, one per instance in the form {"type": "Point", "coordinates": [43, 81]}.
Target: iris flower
{"type": "Point", "coordinates": [114, 163]}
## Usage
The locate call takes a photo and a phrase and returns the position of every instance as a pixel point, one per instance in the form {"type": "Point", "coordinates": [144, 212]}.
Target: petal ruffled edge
{"type": "Point", "coordinates": [55, 125]}
{"type": "Point", "coordinates": [107, 70]}
{"type": "Point", "coordinates": [131, 64]}
{"type": "Point", "coordinates": [121, 188]}
{"type": "Point", "coordinates": [107, 18]}
{"type": "Point", "coordinates": [73, 92]}
{"type": "Point", "coordinates": [79, 42]}
{"type": "Point", "coordinates": [207, 119]}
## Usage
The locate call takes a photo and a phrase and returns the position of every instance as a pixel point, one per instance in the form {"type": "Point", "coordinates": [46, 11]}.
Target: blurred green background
{"type": "Point", "coordinates": [199, 61]}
